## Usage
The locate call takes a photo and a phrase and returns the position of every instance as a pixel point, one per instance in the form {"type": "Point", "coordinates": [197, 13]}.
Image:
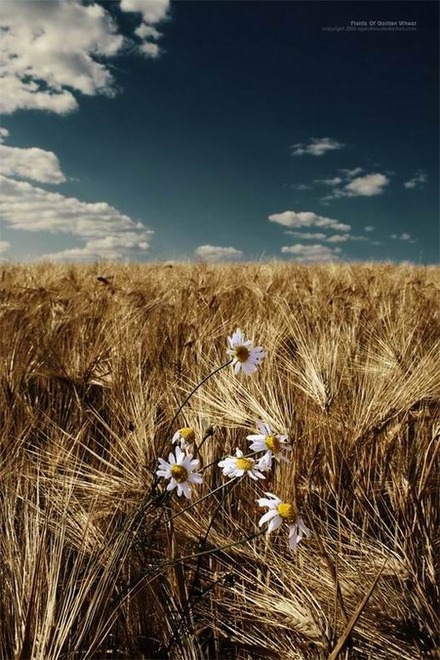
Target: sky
{"type": "Point", "coordinates": [157, 130]}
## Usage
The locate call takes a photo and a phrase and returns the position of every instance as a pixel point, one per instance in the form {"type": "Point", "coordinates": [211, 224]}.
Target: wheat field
{"type": "Point", "coordinates": [97, 563]}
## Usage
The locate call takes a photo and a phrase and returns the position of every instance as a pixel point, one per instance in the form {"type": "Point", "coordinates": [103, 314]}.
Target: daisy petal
{"type": "Point", "coordinates": [267, 516]}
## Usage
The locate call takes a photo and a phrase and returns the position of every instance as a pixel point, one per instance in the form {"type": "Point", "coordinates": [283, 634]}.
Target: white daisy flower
{"type": "Point", "coordinates": [272, 444]}
{"type": "Point", "coordinates": [280, 512]}
{"type": "Point", "coordinates": [245, 356]}
{"type": "Point", "coordinates": [184, 436]}
{"type": "Point", "coordinates": [238, 465]}
{"type": "Point", "coordinates": [180, 471]}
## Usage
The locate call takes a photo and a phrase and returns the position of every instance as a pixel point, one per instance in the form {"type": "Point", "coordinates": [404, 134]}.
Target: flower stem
{"type": "Point", "coordinates": [183, 404]}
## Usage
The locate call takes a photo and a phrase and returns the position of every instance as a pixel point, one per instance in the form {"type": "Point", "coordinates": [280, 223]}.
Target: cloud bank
{"type": "Point", "coordinates": [51, 53]}
{"type": "Point", "coordinates": [107, 232]}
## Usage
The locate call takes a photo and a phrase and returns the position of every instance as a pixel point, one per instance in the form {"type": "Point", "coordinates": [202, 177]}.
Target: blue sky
{"type": "Point", "coordinates": [143, 130]}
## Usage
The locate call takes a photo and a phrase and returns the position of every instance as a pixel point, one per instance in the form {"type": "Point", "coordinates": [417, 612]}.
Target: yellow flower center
{"type": "Point", "coordinates": [179, 473]}
{"type": "Point", "coordinates": [241, 353]}
{"type": "Point", "coordinates": [287, 511]}
{"type": "Point", "coordinates": [244, 463]}
{"type": "Point", "coordinates": [273, 443]}
{"type": "Point", "coordinates": [187, 434]}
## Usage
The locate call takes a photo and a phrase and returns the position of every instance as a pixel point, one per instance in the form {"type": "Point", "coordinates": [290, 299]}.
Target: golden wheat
{"type": "Point", "coordinates": [94, 362]}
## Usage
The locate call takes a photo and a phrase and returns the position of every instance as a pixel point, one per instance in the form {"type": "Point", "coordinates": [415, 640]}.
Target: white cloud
{"type": "Point", "coordinates": [111, 248]}
{"type": "Point", "coordinates": [351, 173]}
{"type": "Point", "coordinates": [316, 147]}
{"type": "Point", "coordinates": [366, 186]}
{"type": "Point", "coordinates": [153, 11]}
{"type": "Point", "coordinates": [104, 229]}
{"type": "Point", "coordinates": [51, 50]}
{"type": "Point", "coordinates": [36, 164]}
{"type": "Point", "coordinates": [330, 182]}
{"type": "Point", "coordinates": [4, 133]}
{"type": "Point", "coordinates": [338, 238]}
{"type": "Point", "coordinates": [369, 228]}
{"type": "Point", "coordinates": [310, 253]}
{"type": "Point", "coordinates": [214, 252]}
{"type": "Point", "coordinates": [4, 245]}
{"type": "Point", "coordinates": [417, 181]}
{"type": "Point", "coordinates": [307, 219]}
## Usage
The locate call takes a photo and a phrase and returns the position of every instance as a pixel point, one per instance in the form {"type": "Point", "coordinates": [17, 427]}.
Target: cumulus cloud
{"type": "Point", "coordinates": [52, 50]}
{"type": "Point", "coordinates": [36, 164]}
{"type": "Point", "coordinates": [105, 230]}
{"type": "Point", "coordinates": [216, 253]}
{"type": "Point", "coordinates": [4, 245]}
{"type": "Point", "coordinates": [307, 219]}
{"type": "Point", "coordinates": [311, 253]}
{"type": "Point", "coordinates": [316, 147]}
{"type": "Point", "coordinates": [368, 185]}
{"type": "Point", "coordinates": [417, 181]}
{"type": "Point", "coordinates": [152, 12]}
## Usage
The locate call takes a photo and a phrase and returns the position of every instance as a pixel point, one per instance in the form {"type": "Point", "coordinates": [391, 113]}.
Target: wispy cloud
{"type": "Point", "coordinates": [307, 219]}
{"type": "Point", "coordinates": [330, 182]}
{"type": "Point", "coordinates": [217, 253]}
{"type": "Point", "coordinates": [307, 236]}
{"type": "Point", "coordinates": [299, 186]}
{"type": "Point", "coordinates": [54, 50]}
{"type": "Point", "coordinates": [338, 238]}
{"type": "Point", "coordinates": [401, 237]}
{"type": "Point", "coordinates": [351, 173]}
{"type": "Point", "coordinates": [311, 253]}
{"type": "Point", "coordinates": [417, 181]}
{"type": "Point", "coordinates": [369, 228]}
{"type": "Point", "coordinates": [103, 228]}
{"type": "Point", "coordinates": [316, 147]}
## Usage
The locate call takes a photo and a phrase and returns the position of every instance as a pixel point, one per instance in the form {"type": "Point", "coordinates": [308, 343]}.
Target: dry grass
{"type": "Point", "coordinates": [94, 363]}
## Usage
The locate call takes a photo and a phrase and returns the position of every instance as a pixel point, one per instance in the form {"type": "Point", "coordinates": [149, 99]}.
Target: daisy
{"type": "Point", "coordinates": [180, 471]}
{"type": "Point", "coordinates": [245, 356]}
{"type": "Point", "coordinates": [280, 512]}
{"type": "Point", "coordinates": [272, 444]}
{"type": "Point", "coordinates": [238, 465]}
{"type": "Point", "coordinates": [184, 436]}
